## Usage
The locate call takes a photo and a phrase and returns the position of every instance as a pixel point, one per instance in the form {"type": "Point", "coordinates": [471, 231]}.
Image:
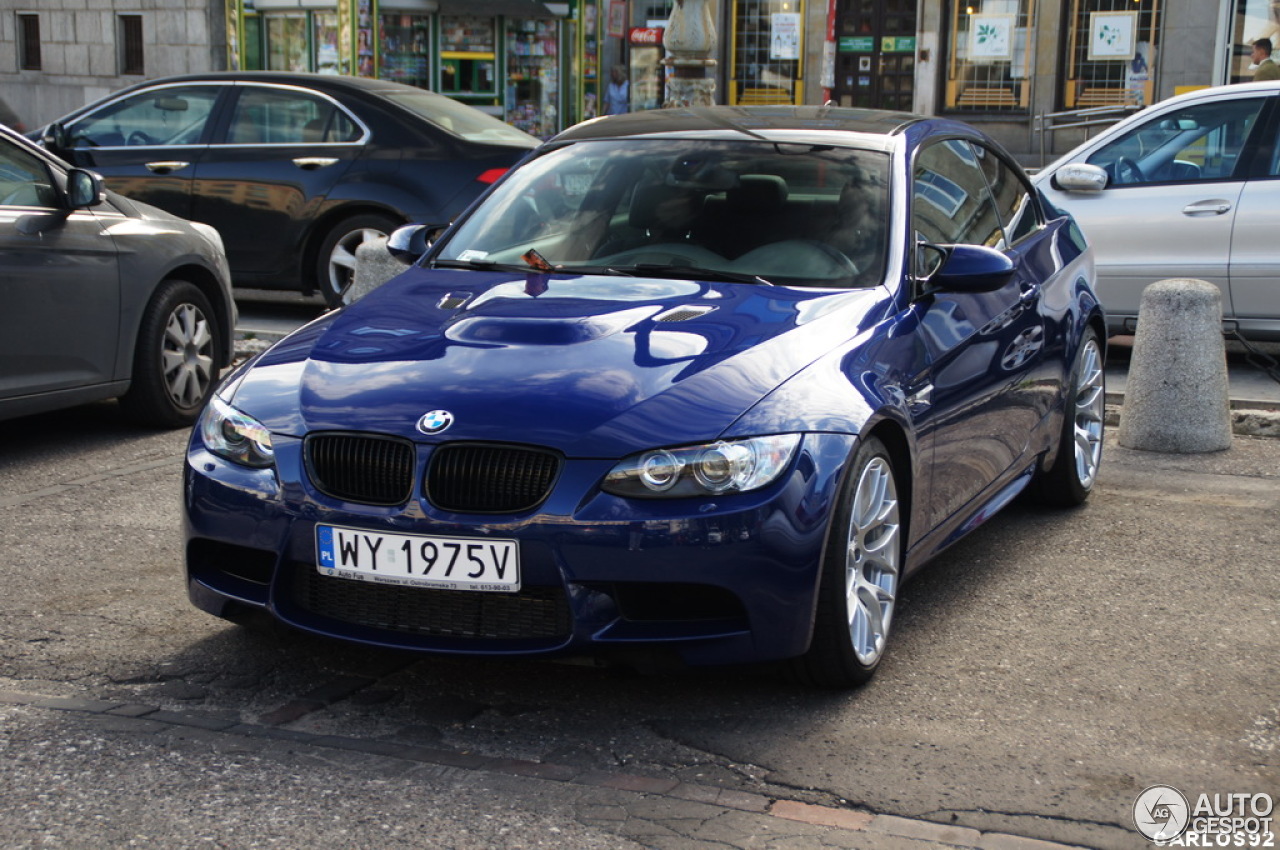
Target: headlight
{"type": "Point", "coordinates": [721, 467]}
{"type": "Point", "coordinates": [231, 434]}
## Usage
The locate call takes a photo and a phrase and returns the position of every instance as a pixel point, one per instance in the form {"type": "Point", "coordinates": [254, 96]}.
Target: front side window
{"type": "Point", "coordinates": [989, 55]}
{"type": "Point", "coordinates": [172, 115]}
{"type": "Point", "coordinates": [950, 203]}
{"type": "Point", "coordinates": [265, 116]}
{"type": "Point", "coordinates": [1013, 195]}
{"type": "Point", "coordinates": [1202, 142]}
{"type": "Point", "coordinates": [810, 215]}
{"type": "Point", "coordinates": [24, 180]}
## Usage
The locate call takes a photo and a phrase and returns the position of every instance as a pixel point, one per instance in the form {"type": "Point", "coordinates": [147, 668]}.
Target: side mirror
{"type": "Point", "coordinates": [1080, 177]}
{"type": "Point", "coordinates": [56, 138]}
{"type": "Point", "coordinates": [411, 241]}
{"type": "Point", "coordinates": [84, 189]}
{"type": "Point", "coordinates": [972, 268]}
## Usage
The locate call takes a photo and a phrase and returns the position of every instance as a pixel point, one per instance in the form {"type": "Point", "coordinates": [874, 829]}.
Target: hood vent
{"type": "Point", "coordinates": [454, 300]}
{"type": "Point", "coordinates": [684, 314]}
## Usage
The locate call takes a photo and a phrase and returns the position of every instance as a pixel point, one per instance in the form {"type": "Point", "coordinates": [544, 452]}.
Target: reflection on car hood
{"type": "Point", "coordinates": [595, 366]}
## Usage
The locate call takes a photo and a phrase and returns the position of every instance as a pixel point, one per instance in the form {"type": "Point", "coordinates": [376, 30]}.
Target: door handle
{"type": "Point", "coordinates": [1215, 207]}
{"type": "Point", "coordinates": [311, 163]}
{"type": "Point", "coordinates": [167, 166]}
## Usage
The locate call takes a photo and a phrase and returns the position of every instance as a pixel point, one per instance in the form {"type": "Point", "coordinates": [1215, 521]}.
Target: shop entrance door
{"type": "Point", "coordinates": [875, 53]}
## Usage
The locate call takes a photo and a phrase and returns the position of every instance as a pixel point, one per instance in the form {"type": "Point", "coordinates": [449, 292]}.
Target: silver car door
{"type": "Point", "coordinates": [1171, 200]}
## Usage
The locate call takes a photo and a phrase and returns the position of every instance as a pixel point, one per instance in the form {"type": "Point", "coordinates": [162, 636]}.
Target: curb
{"type": "Point", "coordinates": [133, 717]}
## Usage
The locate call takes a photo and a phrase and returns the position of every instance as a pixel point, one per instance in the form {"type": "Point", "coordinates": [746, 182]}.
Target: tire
{"type": "Point", "coordinates": [1075, 469]}
{"type": "Point", "coordinates": [336, 260]}
{"type": "Point", "coordinates": [861, 574]}
{"type": "Point", "coordinates": [175, 358]}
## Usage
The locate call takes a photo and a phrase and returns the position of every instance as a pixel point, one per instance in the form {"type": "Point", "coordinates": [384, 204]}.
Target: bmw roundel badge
{"type": "Point", "coordinates": [435, 421]}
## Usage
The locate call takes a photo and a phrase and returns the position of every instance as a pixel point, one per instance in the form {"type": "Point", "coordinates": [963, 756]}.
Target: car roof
{"type": "Point", "coordinates": [321, 82]}
{"type": "Point", "coordinates": [774, 123]}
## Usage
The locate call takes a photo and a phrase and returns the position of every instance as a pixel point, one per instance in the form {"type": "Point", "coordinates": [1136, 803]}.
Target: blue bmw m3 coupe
{"type": "Point", "coordinates": [706, 382]}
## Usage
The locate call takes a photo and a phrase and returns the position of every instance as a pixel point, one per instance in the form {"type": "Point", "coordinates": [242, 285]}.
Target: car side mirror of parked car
{"type": "Point", "coordinates": [84, 189]}
{"type": "Point", "coordinates": [410, 242]}
{"type": "Point", "coordinates": [1080, 177]}
{"type": "Point", "coordinates": [55, 138]}
{"type": "Point", "coordinates": [972, 268]}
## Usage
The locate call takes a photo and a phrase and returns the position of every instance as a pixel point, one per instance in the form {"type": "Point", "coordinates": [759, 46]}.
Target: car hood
{"type": "Point", "coordinates": [595, 366]}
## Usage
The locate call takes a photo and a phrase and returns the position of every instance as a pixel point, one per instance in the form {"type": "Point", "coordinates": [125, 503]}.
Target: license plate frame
{"type": "Point", "coordinates": [429, 561]}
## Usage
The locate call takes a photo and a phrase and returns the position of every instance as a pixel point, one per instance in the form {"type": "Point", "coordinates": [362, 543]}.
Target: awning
{"type": "Point", "coordinates": [507, 8]}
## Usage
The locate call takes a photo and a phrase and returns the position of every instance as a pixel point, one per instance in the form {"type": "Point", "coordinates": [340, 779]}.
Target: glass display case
{"type": "Point", "coordinates": [406, 54]}
{"type": "Point", "coordinates": [532, 97]}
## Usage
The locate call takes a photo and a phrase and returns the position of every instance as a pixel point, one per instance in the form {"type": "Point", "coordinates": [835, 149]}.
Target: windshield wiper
{"type": "Point", "coordinates": [690, 272]}
{"type": "Point", "coordinates": [478, 265]}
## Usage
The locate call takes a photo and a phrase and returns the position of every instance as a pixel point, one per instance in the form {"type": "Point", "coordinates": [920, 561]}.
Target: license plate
{"type": "Point", "coordinates": [420, 560]}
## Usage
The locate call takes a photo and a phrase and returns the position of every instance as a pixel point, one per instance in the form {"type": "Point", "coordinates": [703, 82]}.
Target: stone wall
{"type": "Point", "coordinates": [80, 56]}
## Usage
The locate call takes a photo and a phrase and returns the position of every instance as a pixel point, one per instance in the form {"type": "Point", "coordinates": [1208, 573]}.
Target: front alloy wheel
{"type": "Point", "coordinates": [175, 357]}
{"type": "Point", "coordinates": [861, 573]}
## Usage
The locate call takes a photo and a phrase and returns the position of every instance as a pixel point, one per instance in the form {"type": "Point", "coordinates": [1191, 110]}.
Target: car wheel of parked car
{"type": "Point", "coordinates": [1069, 481]}
{"type": "Point", "coordinates": [861, 571]}
{"type": "Point", "coordinates": [174, 361]}
{"type": "Point", "coordinates": [336, 265]}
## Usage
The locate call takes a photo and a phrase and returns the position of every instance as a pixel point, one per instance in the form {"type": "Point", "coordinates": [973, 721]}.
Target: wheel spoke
{"type": "Point", "coordinates": [1090, 404]}
{"type": "Point", "coordinates": [871, 566]}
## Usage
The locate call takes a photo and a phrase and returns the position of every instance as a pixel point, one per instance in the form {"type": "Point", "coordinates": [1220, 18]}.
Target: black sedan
{"type": "Point", "coordinates": [294, 170]}
{"type": "Point", "coordinates": [103, 297]}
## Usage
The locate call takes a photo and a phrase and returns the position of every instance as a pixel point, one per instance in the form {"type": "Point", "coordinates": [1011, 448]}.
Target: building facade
{"type": "Point", "coordinates": [542, 66]}
{"type": "Point", "coordinates": [59, 54]}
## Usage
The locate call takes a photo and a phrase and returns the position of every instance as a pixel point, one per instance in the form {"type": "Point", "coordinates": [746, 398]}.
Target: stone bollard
{"type": "Point", "coordinates": [1177, 399]}
{"type": "Point", "coordinates": [374, 267]}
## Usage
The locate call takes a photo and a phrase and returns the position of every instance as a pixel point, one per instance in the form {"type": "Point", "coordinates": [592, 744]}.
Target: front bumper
{"type": "Point", "coordinates": [715, 581]}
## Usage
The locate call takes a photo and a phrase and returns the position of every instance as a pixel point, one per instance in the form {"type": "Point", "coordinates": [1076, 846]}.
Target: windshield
{"type": "Point", "coordinates": [794, 214]}
{"type": "Point", "coordinates": [463, 121]}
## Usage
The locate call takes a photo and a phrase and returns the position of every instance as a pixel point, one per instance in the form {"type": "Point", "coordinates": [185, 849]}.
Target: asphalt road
{"type": "Point", "coordinates": [1043, 673]}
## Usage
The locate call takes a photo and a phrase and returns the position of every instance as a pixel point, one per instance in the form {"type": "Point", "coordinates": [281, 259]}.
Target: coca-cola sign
{"type": "Point", "coordinates": [645, 35]}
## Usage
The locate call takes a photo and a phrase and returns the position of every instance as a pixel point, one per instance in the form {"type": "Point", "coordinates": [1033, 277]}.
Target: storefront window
{"type": "Point", "coordinates": [287, 42]}
{"type": "Point", "coordinates": [533, 76]}
{"type": "Point", "coordinates": [1255, 19]}
{"type": "Point", "coordinates": [768, 51]}
{"type": "Point", "coordinates": [325, 41]}
{"type": "Point", "coordinates": [1111, 53]}
{"type": "Point", "coordinates": [405, 40]}
{"type": "Point", "coordinates": [468, 55]}
{"type": "Point", "coordinates": [988, 55]}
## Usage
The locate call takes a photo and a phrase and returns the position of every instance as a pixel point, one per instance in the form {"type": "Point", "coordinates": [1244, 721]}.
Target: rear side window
{"type": "Point", "coordinates": [1013, 195]}
{"type": "Point", "coordinates": [265, 116]}
{"type": "Point", "coordinates": [175, 115]}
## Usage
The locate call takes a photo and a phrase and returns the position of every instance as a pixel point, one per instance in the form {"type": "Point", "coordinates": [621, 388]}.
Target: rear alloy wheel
{"type": "Point", "coordinates": [175, 358]}
{"type": "Point", "coordinates": [336, 260]}
{"type": "Point", "coordinates": [1071, 478]}
{"type": "Point", "coordinates": [861, 573]}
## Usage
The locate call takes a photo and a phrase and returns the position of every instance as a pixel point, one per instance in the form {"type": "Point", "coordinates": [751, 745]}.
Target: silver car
{"type": "Point", "coordinates": [103, 297]}
{"type": "Point", "coordinates": [1186, 188]}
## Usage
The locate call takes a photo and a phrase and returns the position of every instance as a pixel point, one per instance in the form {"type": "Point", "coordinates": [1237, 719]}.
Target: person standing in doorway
{"type": "Point", "coordinates": [617, 95]}
{"type": "Point", "coordinates": [1267, 70]}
